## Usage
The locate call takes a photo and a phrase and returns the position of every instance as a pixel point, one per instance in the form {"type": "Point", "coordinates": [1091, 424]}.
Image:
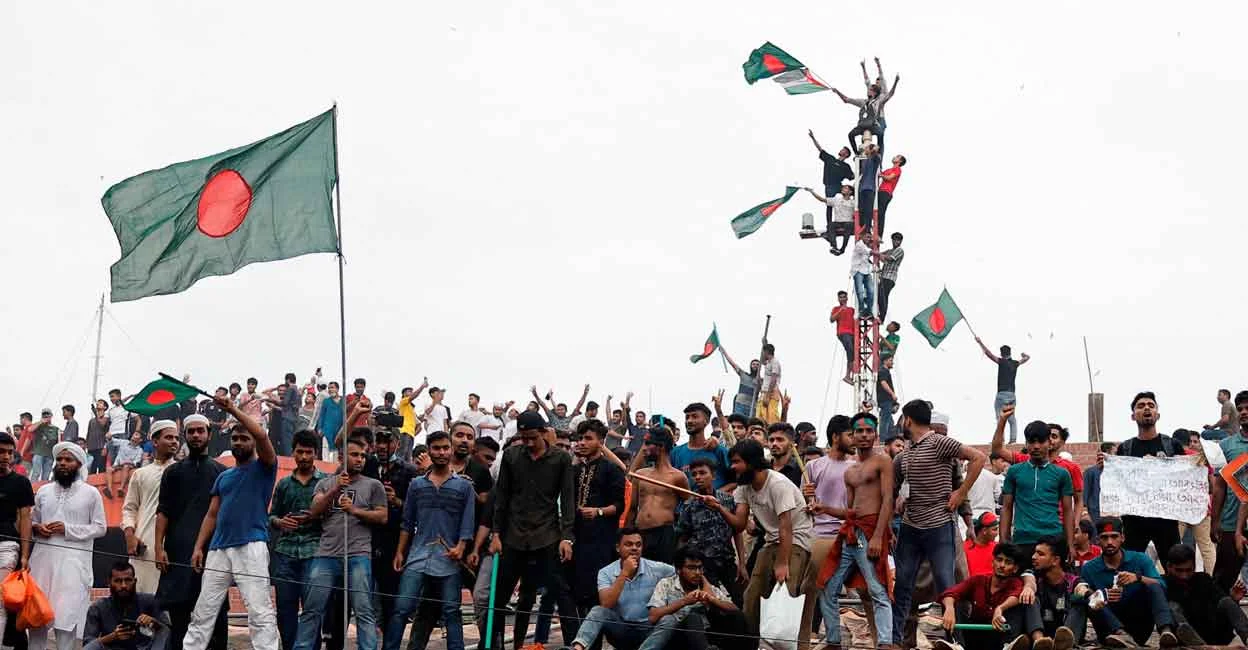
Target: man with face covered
{"type": "Point", "coordinates": [138, 513]}
{"type": "Point", "coordinates": [234, 536]}
{"type": "Point", "coordinates": [68, 516]}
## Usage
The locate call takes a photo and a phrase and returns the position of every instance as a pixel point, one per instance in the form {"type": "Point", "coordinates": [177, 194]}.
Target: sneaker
{"type": "Point", "coordinates": [941, 644]}
{"type": "Point", "coordinates": [1120, 641]}
{"type": "Point", "coordinates": [1167, 639]}
{"type": "Point", "coordinates": [1020, 642]}
{"type": "Point", "coordinates": [1187, 635]}
{"type": "Point", "coordinates": [1043, 643]}
{"type": "Point", "coordinates": [1063, 639]}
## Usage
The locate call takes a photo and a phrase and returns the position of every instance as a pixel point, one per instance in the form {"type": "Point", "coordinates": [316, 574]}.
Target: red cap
{"type": "Point", "coordinates": [985, 519]}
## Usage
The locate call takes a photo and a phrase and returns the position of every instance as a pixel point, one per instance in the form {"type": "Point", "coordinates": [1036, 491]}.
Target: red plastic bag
{"type": "Point", "coordinates": [14, 590]}
{"type": "Point", "coordinates": [37, 611]}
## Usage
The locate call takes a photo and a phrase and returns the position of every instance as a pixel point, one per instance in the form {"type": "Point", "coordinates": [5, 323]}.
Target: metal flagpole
{"type": "Point", "coordinates": [342, 334]}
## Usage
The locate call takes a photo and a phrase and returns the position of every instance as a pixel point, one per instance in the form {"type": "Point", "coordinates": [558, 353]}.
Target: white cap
{"type": "Point", "coordinates": [161, 425]}
{"type": "Point", "coordinates": [940, 418]}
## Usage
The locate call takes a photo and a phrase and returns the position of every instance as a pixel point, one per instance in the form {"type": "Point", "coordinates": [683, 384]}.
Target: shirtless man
{"type": "Point", "coordinates": [654, 507]}
{"type": "Point", "coordinates": [863, 540]}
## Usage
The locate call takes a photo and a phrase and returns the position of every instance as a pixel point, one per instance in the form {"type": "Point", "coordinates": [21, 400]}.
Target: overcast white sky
{"type": "Point", "coordinates": [540, 193]}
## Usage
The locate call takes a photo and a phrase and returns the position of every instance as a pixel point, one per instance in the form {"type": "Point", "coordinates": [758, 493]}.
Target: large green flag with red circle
{"type": "Point", "coordinates": [269, 200]}
{"type": "Point", "coordinates": [158, 395]}
{"type": "Point", "coordinates": [937, 321]}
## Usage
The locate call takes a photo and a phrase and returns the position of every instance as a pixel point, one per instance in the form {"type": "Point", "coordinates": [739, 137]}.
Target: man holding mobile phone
{"type": "Point", "coordinates": [125, 619]}
{"type": "Point", "coordinates": [298, 536]}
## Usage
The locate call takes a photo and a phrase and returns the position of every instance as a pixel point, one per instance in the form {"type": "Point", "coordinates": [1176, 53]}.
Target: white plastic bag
{"type": "Point", "coordinates": [780, 618]}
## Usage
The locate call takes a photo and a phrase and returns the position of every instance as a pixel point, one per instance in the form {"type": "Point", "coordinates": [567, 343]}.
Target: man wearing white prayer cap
{"type": "Point", "coordinates": [138, 513]}
{"type": "Point", "coordinates": [940, 423]}
{"type": "Point", "coordinates": [68, 516]}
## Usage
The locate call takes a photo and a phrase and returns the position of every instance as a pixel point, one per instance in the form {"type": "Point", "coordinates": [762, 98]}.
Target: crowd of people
{"type": "Point", "coordinates": [598, 515]}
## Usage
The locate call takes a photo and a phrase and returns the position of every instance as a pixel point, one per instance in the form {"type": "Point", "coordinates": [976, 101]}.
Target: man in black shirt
{"type": "Point", "coordinates": [599, 502]}
{"type": "Point", "coordinates": [218, 439]}
{"type": "Point", "coordinates": [184, 497]}
{"type": "Point", "coordinates": [396, 476]}
{"type": "Point", "coordinates": [16, 500]}
{"type": "Point", "coordinates": [1204, 614]}
{"type": "Point", "coordinates": [125, 619]}
{"type": "Point", "coordinates": [534, 479]}
{"type": "Point", "coordinates": [835, 171]}
{"type": "Point", "coordinates": [1139, 531]}
{"type": "Point", "coordinates": [886, 393]}
{"type": "Point", "coordinates": [1007, 370]}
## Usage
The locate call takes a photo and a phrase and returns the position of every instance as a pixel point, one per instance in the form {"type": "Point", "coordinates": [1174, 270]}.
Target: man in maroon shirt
{"type": "Point", "coordinates": [994, 599]}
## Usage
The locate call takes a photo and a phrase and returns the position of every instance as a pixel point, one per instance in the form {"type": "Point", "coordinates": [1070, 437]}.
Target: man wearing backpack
{"type": "Point", "coordinates": [1163, 533]}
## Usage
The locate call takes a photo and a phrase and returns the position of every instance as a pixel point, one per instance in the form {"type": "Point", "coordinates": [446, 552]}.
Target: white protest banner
{"type": "Point", "coordinates": [1167, 488]}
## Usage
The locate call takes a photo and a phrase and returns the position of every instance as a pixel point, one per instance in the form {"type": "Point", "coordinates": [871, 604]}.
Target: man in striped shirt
{"type": "Point", "coordinates": [891, 260]}
{"type": "Point", "coordinates": [927, 526]}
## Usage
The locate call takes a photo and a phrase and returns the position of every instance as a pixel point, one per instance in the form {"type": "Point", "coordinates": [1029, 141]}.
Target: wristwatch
{"type": "Point", "coordinates": [600, 512]}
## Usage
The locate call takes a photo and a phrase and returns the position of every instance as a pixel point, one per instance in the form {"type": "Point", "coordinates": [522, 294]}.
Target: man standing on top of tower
{"type": "Point", "coordinates": [871, 109]}
{"type": "Point", "coordinates": [888, 184]}
{"type": "Point", "coordinates": [1007, 371]}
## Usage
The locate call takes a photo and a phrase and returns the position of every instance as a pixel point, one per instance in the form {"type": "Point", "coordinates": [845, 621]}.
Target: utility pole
{"type": "Point", "coordinates": [99, 334]}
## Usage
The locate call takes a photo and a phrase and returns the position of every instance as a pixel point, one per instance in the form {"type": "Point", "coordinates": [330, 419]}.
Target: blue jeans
{"type": "Point", "coordinates": [864, 288]}
{"type": "Point", "coordinates": [41, 468]}
{"type": "Point", "coordinates": [324, 574]}
{"type": "Point", "coordinates": [913, 546]}
{"type": "Point", "coordinates": [1136, 614]}
{"type": "Point", "coordinates": [625, 635]}
{"type": "Point", "coordinates": [288, 575]}
{"type": "Point", "coordinates": [851, 557]}
{"type": "Point", "coordinates": [411, 592]}
{"type": "Point", "coordinates": [886, 417]}
{"type": "Point", "coordinates": [1006, 397]}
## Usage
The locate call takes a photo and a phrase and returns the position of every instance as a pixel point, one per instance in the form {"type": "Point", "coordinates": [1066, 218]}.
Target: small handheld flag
{"type": "Point", "coordinates": [709, 348]}
{"type": "Point", "coordinates": [160, 394]}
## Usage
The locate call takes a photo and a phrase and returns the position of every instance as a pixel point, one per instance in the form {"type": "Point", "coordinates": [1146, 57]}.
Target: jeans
{"type": "Point", "coordinates": [866, 208]}
{"type": "Point", "coordinates": [856, 557]}
{"type": "Point", "coordinates": [864, 288]}
{"type": "Point", "coordinates": [411, 591]}
{"type": "Point", "coordinates": [913, 546]}
{"type": "Point", "coordinates": [1136, 614]}
{"type": "Point", "coordinates": [694, 631]}
{"type": "Point", "coordinates": [324, 576]}
{"type": "Point", "coordinates": [288, 575]}
{"type": "Point", "coordinates": [883, 198]}
{"type": "Point", "coordinates": [537, 567]}
{"type": "Point", "coordinates": [1007, 397]}
{"type": "Point", "coordinates": [623, 635]}
{"type": "Point", "coordinates": [1215, 627]}
{"type": "Point", "coordinates": [876, 128]}
{"type": "Point", "coordinates": [992, 639]}
{"type": "Point", "coordinates": [847, 342]}
{"type": "Point", "coordinates": [41, 468]}
{"type": "Point", "coordinates": [886, 416]}
{"type": "Point", "coordinates": [886, 287]}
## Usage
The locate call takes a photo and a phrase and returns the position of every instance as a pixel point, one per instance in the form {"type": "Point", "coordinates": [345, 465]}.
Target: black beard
{"type": "Point", "coordinates": [461, 455]}
{"type": "Point", "coordinates": [241, 456]}
{"type": "Point", "coordinates": [65, 477]}
{"type": "Point", "coordinates": [745, 477]}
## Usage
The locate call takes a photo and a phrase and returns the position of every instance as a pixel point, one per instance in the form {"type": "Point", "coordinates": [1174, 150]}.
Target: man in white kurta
{"type": "Point", "coordinates": [138, 513]}
{"type": "Point", "coordinates": [67, 518]}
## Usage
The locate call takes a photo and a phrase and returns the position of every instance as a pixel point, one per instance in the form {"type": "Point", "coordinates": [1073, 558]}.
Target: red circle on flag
{"type": "Point", "coordinates": [160, 396]}
{"type": "Point", "coordinates": [223, 204]}
{"type": "Point", "coordinates": [936, 320]}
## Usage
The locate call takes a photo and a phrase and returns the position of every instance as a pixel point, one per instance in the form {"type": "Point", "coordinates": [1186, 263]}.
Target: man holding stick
{"type": "Point", "coordinates": [654, 499]}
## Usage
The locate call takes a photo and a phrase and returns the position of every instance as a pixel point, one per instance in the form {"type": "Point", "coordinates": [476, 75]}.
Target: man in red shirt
{"type": "Point", "coordinates": [843, 316]}
{"type": "Point", "coordinates": [888, 183]}
{"type": "Point", "coordinates": [26, 440]}
{"type": "Point", "coordinates": [979, 550]}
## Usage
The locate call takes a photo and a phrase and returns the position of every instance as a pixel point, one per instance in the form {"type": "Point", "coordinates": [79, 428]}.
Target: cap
{"type": "Point", "coordinates": [499, 405]}
{"type": "Point", "coordinates": [940, 418]}
{"type": "Point", "coordinates": [530, 421]}
{"type": "Point", "coordinates": [46, 411]}
{"type": "Point", "coordinates": [698, 406]}
{"type": "Point", "coordinates": [161, 425]}
{"type": "Point", "coordinates": [803, 427]}
{"type": "Point", "coordinates": [986, 519]}
{"type": "Point", "coordinates": [195, 418]}
{"type": "Point", "coordinates": [1109, 524]}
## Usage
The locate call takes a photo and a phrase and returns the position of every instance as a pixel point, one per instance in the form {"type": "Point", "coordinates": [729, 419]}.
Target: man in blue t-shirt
{"type": "Point", "coordinates": [1134, 599]}
{"type": "Point", "coordinates": [239, 547]}
{"type": "Point", "coordinates": [697, 416]}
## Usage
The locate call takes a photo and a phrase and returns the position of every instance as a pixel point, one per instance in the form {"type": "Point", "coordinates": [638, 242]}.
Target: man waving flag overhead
{"type": "Point", "coordinates": [269, 200]}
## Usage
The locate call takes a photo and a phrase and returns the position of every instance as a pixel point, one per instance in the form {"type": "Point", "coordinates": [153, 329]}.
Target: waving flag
{"type": "Point", "coordinates": [709, 348]}
{"type": "Point", "coordinates": [771, 61]}
{"type": "Point", "coordinates": [937, 321]}
{"type": "Point", "coordinates": [754, 218]}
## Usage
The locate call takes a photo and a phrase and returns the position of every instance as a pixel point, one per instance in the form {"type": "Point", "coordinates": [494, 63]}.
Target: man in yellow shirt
{"type": "Point", "coordinates": [409, 418]}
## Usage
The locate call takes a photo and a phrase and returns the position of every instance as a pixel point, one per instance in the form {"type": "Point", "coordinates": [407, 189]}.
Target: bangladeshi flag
{"type": "Point", "coordinates": [269, 200]}
{"type": "Point", "coordinates": [709, 348]}
{"type": "Point", "coordinates": [768, 61]}
{"type": "Point", "coordinates": [937, 321]}
{"type": "Point", "coordinates": [754, 218]}
{"type": "Point", "coordinates": [159, 395]}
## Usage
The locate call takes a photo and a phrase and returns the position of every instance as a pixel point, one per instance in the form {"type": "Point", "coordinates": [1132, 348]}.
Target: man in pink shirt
{"type": "Point", "coordinates": [888, 183]}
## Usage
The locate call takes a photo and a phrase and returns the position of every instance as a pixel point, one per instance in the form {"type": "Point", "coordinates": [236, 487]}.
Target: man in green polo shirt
{"type": "Point", "coordinates": [298, 537]}
{"type": "Point", "coordinates": [1032, 493]}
